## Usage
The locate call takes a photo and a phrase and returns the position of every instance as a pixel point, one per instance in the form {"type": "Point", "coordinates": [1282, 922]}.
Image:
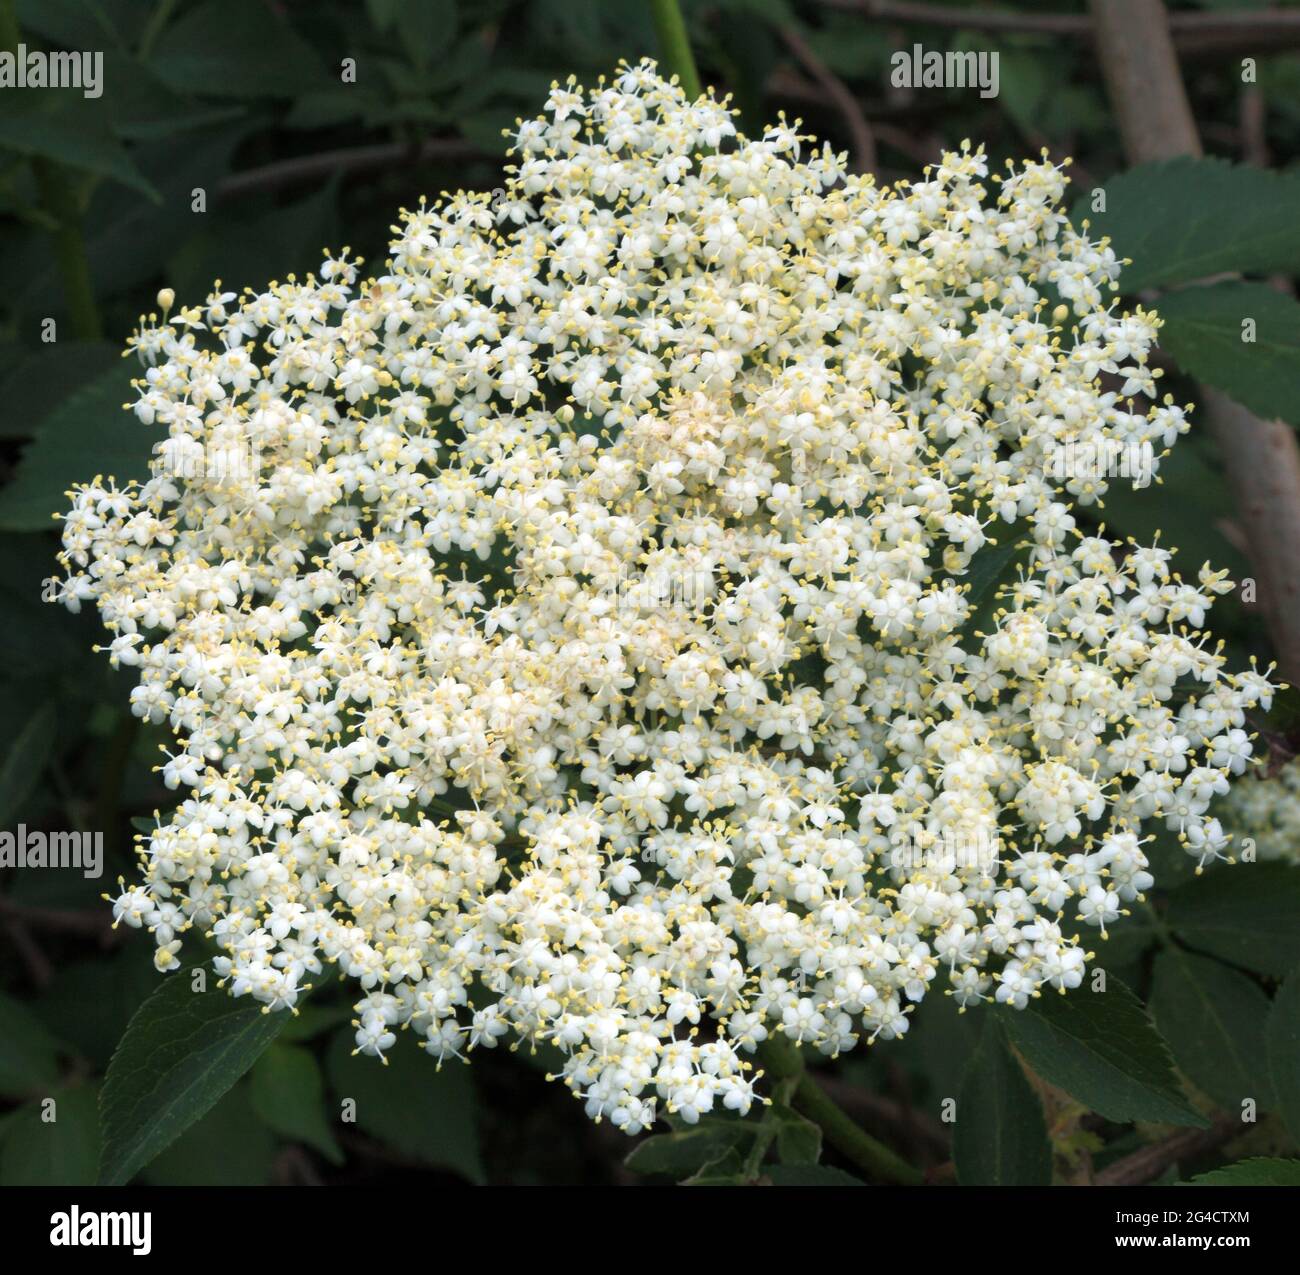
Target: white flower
{"type": "Point", "coordinates": [589, 657]}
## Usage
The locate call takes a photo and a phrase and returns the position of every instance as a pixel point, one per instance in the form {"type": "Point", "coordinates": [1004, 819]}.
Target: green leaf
{"type": "Point", "coordinates": [411, 1104]}
{"type": "Point", "coordinates": [1282, 1045]}
{"type": "Point", "coordinates": [25, 760]}
{"type": "Point", "coordinates": [37, 380]}
{"type": "Point", "coordinates": [91, 1001]}
{"type": "Point", "coordinates": [1101, 1048]}
{"type": "Point", "coordinates": [1213, 1018]}
{"type": "Point", "coordinates": [1184, 219]}
{"type": "Point", "coordinates": [75, 24]}
{"type": "Point", "coordinates": [52, 1145]}
{"type": "Point", "coordinates": [68, 130]}
{"type": "Point", "coordinates": [810, 1175]}
{"type": "Point", "coordinates": [230, 1146]}
{"type": "Point", "coordinates": [428, 30]}
{"type": "Point", "coordinates": [1000, 1138]}
{"type": "Point", "coordinates": [798, 1140]}
{"type": "Point", "coordinates": [239, 49]}
{"type": "Point", "coordinates": [181, 1052]}
{"type": "Point", "coordinates": [1258, 1171]}
{"type": "Point", "coordinates": [687, 1150]}
{"type": "Point", "coordinates": [382, 13]}
{"type": "Point", "coordinates": [1248, 914]}
{"type": "Point", "coordinates": [1203, 331]}
{"type": "Point", "coordinates": [992, 567]}
{"type": "Point", "coordinates": [288, 1093]}
{"type": "Point", "coordinates": [28, 1053]}
{"type": "Point", "coordinates": [87, 434]}
{"type": "Point", "coordinates": [727, 1170]}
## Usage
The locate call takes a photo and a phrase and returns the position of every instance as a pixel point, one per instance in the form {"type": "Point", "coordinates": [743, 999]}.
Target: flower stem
{"type": "Point", "coordinates": [60, 203]}
{"type": "Point", "coordinates": [784, 1061]}
{"type": "Point", "coordinates": [675, 45]}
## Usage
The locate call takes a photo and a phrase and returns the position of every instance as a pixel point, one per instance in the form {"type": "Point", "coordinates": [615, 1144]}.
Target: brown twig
{"type": "Point", "coordinates": [862, 141]}
{"type": "Point", "coordinates": [922, 149]}
{"type": "Point", "coordinates": [1261, 458]}
{"type": "Point", "coordinates": [1151, 1161]}
{"type": "Point", "coordinates": [1194, 34]}
{"type": "Point", "coordinates": [349, 162]}
{"type": "Point", "coordinates": [37, 963]}
{"type": "Point", "coordinates": [954, 16]}
{"type": "Point", "coordinates": [93, 923]}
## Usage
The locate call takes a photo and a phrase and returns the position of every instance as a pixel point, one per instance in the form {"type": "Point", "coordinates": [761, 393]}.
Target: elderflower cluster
{"type": "Point", "coordinates": [1264, 809]}
{"type": "Point", "coordinates": [592, 654]}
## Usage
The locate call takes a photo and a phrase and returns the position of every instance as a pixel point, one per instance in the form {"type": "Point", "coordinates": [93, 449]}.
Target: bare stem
{"type": "Point", "coordinates": [784, 1062]}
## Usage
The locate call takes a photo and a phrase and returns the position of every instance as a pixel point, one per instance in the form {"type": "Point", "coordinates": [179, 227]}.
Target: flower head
{"type": "Point", "coordinates": [592, 656]}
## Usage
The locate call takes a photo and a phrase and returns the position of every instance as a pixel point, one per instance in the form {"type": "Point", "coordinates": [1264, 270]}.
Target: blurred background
{"type": "Point", "coordinates": [229, 143]}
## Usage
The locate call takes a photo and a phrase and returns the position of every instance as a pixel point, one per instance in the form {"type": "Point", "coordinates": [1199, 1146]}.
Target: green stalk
{"type": "Point", "coordinates": [153, 28]}
{"type": "Point", "coordinates": [675, 46]}
{"type": "Point", "coordinates": [783, 1061]}
{"type": "Point", "coordinates": [60, 203]}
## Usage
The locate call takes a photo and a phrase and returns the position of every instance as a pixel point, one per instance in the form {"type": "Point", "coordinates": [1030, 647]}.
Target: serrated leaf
{"type": "Point", "coordinates": [687, 1151]}
{"type": "Point", "coordinates": [1204, 333]}
{"type": "Point", "coordinates": [1102, 1048]}
{"type": "Point", "coordinates": [1186, 218]}
{"type": "Point", "coordinates": [54, 1145]}
{"type": "Point", "coordinates": [1248, 914]}
{"type": "Point", "coordinates": [87, 434]}
{"type": "Point", "coordinates": [1282, 1045]}
{"type": "Point", "coordinates": [181, 1052]}
{"type": "Point", "coordinates": [1258, 1171]}
{"type": "Point", "coordinates": [288, 1094]}
{"type": "Point", "coordinates": [1213, 1018]}
{"type": "Point", "coordinates": [1000, 1137]}
{"type": "Point", "coordinates": [411, 1104]}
